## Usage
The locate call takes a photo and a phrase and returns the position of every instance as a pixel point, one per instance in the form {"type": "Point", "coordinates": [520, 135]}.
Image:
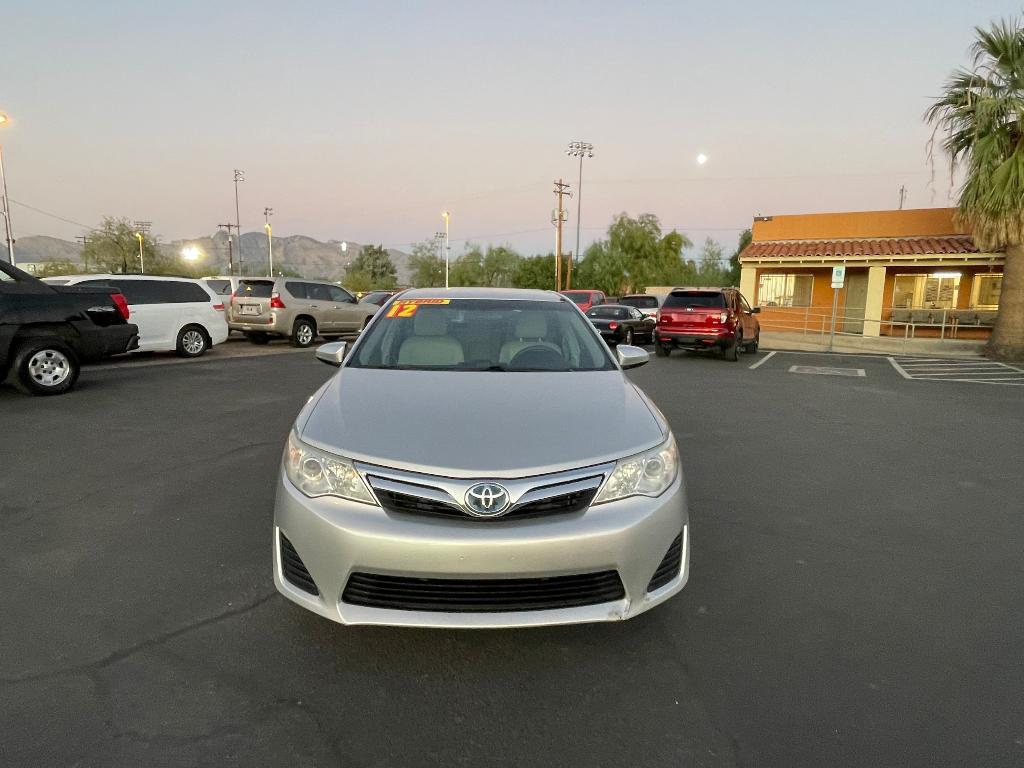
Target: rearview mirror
{"type": "Point", "coordinates": [332, 353]}
{"type": "Point", "coordinates": [631, 357]}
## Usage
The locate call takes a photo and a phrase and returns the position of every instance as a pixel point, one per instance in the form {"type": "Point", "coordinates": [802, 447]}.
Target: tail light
{"type": "Point", "coordinates": [122, 304]}
{"type": "Point", "coordinates": [612, 325]}
{"type": "Point", "coordinates": [219, 307]}
{"type": "Point", "coordinates": [721, 317]}
{"type": "Point", "coordinates": [275, 301]}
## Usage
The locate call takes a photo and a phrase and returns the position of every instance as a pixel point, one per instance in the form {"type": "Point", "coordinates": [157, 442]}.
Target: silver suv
{"type": "Point", "coordinates": [295, 309]}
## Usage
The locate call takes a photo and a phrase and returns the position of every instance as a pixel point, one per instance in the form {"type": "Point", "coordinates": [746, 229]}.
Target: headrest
{"type": "Point", "coordinates": [429, 321]}
{"type": "Point", "coordinates": [531, 325]}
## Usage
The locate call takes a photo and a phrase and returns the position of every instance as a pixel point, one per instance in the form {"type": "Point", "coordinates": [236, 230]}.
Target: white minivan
{"type": "Point", "coordinates": [174, 314]}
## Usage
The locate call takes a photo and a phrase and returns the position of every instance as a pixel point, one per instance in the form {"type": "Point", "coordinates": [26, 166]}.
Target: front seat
{"type": "Point", "coordinates": [531, 328]}
{"type": "Point", "coordinates": [430, 343]}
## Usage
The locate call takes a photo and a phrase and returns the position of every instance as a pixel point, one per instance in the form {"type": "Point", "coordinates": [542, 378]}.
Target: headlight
{"type": "Point", "coordinates": [317, 473]}
{"type": "Point", "coordinates": [646, 474]}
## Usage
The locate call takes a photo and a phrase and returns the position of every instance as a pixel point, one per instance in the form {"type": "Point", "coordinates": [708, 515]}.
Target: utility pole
{"type": "Point", "coordinates": [903, 195]}
{"type": "Point", "coordinates": [446, 215]}
{"type": "Point", "coordinates": [579, 149]}
{"type": "Point", "coordinates": [141, 230]}
{"type": "Point", "coordinates": [231, 258]}
{"type": "Point", "coordinates": [83, 239]}
{"type": "Point", "coordinates": [558, 216]}
{"type": "Point", "coordinates": [239, 176]}
{"type": "Point", "coordinates": [7, 209]}
{"type": "Point", "coordinates": [267, 213]}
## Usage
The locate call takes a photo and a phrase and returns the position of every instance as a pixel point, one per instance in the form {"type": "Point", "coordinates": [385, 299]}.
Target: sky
{"type": "Point", "coordinates": [362, 121]}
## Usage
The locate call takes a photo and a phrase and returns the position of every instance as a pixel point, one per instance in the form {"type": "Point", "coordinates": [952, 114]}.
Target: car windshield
{"type": "Point", "coordinates": [578, 298]}
{"type": "Point", "coordinates": [614, 313]}
{"type": "Point", "coordinates": [375, 297]}
{"type": "Point", "coordinates": [713, 299]}
{"type": "Point", "coordinates": [481, 335]}
{"type": "Point", "coordinates": [641, 302]}
{"type": "Point", "coordinates": [256, 289]}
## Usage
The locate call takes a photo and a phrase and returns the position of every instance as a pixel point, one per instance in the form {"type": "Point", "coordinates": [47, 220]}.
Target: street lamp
{"type": "Point", "coordinates": [447, 245]}
{"type": "Point", "coordinates": [579, 149]}
{"type": "Point", "coordinates": [4, 119]}
{"type": "Point", "coordinates": [267, 213]}
{"type": "Point", "coordinates": [142, 262]}
{"type": "Point", "coordinates": [239, 176]}
{"type": "Point", "coordinates": [190, 253]}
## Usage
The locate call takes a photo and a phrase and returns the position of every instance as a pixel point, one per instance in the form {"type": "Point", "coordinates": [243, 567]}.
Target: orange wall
{"type": "Point", "coordinates": [923, 222]}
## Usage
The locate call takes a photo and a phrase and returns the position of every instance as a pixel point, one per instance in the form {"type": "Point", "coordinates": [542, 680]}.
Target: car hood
{"type": "Point", "coordinates": [477, 424]}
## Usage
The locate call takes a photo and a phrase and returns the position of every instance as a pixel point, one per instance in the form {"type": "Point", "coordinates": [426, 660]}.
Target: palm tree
{"type": "Point", "coordinates": [981, 113]}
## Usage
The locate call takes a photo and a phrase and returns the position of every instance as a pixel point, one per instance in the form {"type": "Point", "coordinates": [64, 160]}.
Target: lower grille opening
{"type": "Point", "coordinates": [669, 567]}
{"type": "Point", "coordinates": [482, 595]}
{"type": "Point", "coordinates": [294, 569]}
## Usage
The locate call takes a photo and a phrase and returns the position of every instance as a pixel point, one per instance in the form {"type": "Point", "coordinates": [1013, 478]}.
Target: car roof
{"type": "Point", "coordinates": [518, 294]}
{"type": "Point", "coordinates": [709, 288]}
{"type": "Point", "coordinates": [109, 276]}
{"type": "Point", "coordinates": [581, 290]}
{"type": "Point", "coordinates": [612, 306]}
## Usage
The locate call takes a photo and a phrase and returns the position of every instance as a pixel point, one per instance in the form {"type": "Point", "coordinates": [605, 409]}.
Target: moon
{"type": "Point", "coordinates": [701, 159]}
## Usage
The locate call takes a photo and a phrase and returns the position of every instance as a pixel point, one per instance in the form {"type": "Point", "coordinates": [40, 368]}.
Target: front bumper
{"type": "Point", "coordinates": [336, 538]}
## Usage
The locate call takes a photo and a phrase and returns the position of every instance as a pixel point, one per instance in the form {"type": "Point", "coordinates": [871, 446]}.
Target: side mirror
{"type": "Point", "coordinates": [631, 357]}
{"type": "Point", "coordinates": [332, 353]}
{"type": "Point", "coordinates": [755, 311]}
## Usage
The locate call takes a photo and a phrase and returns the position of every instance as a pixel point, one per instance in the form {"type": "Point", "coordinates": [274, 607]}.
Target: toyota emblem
{"type": "Point", "coordinates": [487, 500]}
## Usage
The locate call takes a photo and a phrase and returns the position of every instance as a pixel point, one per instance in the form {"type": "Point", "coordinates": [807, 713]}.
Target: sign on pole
{"type": "Point", "coordinates": [838, 276]}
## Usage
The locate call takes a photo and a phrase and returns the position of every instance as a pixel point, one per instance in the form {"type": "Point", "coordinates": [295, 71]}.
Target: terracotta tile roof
{"type": "Point", "coordinates": [902, 246]}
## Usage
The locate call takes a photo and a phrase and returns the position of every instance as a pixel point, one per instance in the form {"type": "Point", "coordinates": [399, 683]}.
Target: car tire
{"type": "Point", "coordinates": [753, 346]}
{"type": "Point", "coordinates": [732, 352]}
{"type": "Point", "coordinates": [661, 350]}
{"type": "Point", "coordinates": [628, 341]}
{"type": "Point", "coordinates": [192, 342]}
{"type": "Point", "coordinates": [258, 338]}
{"type": "Point", "coordinates": [44, 366]}
{"type": "Point", "coordinates": [303, 333]}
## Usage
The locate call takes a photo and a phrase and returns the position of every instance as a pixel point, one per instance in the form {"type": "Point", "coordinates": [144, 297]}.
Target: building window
{"type": "Point", "coordinates": [775, 290]}
{"type": "Point", "coordinates": [986, 291]}
{"type": "Point", "coordinates": [935, 291]}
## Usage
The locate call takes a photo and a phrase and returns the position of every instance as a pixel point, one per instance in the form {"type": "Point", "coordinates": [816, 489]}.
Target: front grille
{"type": "Point", "coordinates": [410, 504]}
{"type": "Point", "coordinates": [294, 569]}
{"type": "Point", "coordinates": [482, 595]}
{"type": "Point", "coordinates": [669, 567]}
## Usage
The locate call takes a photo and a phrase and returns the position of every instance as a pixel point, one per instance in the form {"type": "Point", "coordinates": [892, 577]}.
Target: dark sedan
{"type": "Point", "coordinates": [619, 324]}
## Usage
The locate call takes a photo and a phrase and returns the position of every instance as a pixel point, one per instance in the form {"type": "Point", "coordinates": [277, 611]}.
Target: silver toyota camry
{"type": "Point", "coordinates": [480, 460]}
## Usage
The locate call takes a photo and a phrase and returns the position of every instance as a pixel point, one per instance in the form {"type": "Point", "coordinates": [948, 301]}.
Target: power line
{"type": "Point", "coordinates": [51, 215]}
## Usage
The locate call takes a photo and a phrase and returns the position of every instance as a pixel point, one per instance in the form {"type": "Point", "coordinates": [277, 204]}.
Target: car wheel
{"type": "Point", "coordinates": [258, 338]}
{"type": "Point", "coordinates": [303, 333]}
{"type": "Point", "coordinates": [628, 341]}
{"type": "Point", "coordinates": [662, 350]}
{"type": "Point", "coordinates": [192, 342]}
{"type": "Point", "coordinates": [752, 346]}
{"type": "Point", "coordinates": [45, 366]}
{"type": "Point", "coordinates": [732, 352]}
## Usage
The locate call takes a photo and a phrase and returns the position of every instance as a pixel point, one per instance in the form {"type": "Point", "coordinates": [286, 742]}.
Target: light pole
{"type": "Point", "coordinates": [239, 176]}
{"type": "Point", "coordinates": [7, 203]}
{"type": "Point", "coordinates": [142, 260]}
{"type": "Point", "coordinates": [267, 213]}
{"type": "Point", "coordinates": [579, 149]}
{"type": "Point", "coordinates": [447, 245]}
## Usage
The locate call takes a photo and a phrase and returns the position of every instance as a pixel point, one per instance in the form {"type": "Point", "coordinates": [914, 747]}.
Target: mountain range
{"type": "Point", "coordinates": [307, 256]}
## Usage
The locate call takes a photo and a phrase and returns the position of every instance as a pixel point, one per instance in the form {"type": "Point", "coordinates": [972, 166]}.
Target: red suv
{"type": "Point", "coordinates": [586, 299]}
{"type": "Point", "coordinates": [707, 318]}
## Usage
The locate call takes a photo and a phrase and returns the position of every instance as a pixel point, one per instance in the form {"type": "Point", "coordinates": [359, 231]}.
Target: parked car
{"type": "Point", "coordinates": [47, 331]}
{"type": "Point", "coordinates": [223, 285]}
{"type": "Point", "coordinates": [295, 309]}
{"type": "Point", "coordinates": [174, 314]}
{"type": "Point", "coordinates": [707, 318]}
{"type": "Point", "coordinates": [645, 302]}
{"type": "Point", "coordinates": [619, 324]}
{"type": "Point", "coordinates": [480, 501]}
{"type": "Point", "coordinates": [586, 299]}
{"type": "Point", "coordinates": [376, 297]}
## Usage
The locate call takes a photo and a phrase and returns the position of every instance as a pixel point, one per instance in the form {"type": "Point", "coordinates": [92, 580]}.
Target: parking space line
{"type": "Point", "coordinates": [763, 360]}
{"type": "Point", "coordinates": [968, 371]}
{"type": "Point", "coordinates": [899, 369]}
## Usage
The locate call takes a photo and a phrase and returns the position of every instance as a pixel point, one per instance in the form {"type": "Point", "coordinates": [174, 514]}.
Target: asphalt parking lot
{"type": "Point", "coordinates": [855, 593]}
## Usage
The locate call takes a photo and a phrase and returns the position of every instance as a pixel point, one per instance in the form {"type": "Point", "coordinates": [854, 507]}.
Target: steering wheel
{"type": "Point", "coordinates": [538, 356]}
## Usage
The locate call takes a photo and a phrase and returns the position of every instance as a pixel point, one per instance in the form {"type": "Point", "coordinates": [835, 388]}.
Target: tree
{"type": "Point", "coordinates": [499, 266]}
{"type": "Point", "coordinates": [981, 111]}
{"type": "Point", "coordinates": [535, 272]}
{"type": "Point", "coordinates": [710, 268]}
{"type": "Point", "coordinates": [635, 255]}
{"type": "Point", "coordinates": [426, 265]}
{"type": "Point", "coordinates": [746, 237]}
{"type": "Point", "coordinates": [56, 268]}
{"type": "Point", "coordinates": [113, 247]}
{"type": "Point", "coordinates": [359, 282]}
{"type": "Point", "coordinates": [468, 269]}
{"type": "Point", "coordinates": [375, 264]}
